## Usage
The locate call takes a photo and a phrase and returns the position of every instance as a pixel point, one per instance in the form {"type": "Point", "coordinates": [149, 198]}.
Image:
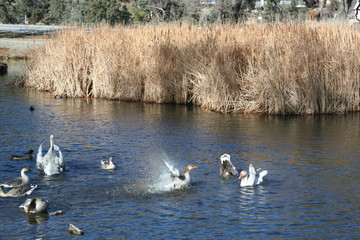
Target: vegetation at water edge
{"type": "Point", "coordinates": [290, 68]}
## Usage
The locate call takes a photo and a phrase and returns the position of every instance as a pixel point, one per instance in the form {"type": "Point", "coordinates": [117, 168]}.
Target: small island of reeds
{"type": "Point", "coordinates": [287, 68]}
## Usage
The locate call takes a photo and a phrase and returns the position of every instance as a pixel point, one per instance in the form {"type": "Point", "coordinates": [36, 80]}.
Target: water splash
{"type": "Point", "coordinates": [157, 179]}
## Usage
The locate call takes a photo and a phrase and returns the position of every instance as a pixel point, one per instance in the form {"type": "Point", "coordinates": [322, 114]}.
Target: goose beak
{"type": "Point", "coordinates": [241, 176]}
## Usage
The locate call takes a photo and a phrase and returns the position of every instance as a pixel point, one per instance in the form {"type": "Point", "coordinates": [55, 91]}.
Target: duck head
{"type": "Point", "coordinates": [243, 174]}
{"type": "Point", "coordinates": [26, 169]}
{"type": "Point", "coordinates": [190, 167]}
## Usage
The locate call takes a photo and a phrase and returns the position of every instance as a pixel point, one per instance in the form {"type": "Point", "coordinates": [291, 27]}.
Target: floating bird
{"type": "Point", "coordinates": [26, 156]}
{"type": "Point", "coordinates": [227, 169]}
{"type": "Point", "coordinates": [180, 180]}
{"type": "Point", "coordinates": [52, 163]}
{"type": "Point", "coordinates": [35, 205]}
{"type": "Point", "coordinates": [252, 178]}
{"type": "Point", "coordinates": [22, 191]}
{"type": "Point", "coordinates": [108, 165]}
{"type": "Point", "coordinates": [31, 108]}
{"type": "Point", "coordinates": [19, 181]}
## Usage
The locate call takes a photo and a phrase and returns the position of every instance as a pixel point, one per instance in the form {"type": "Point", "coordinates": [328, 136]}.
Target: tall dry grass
{"type": "Point", "coordinates": [301, 68]}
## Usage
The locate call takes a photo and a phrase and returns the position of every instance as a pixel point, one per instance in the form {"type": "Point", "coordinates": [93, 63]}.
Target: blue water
{"type": "Point", "coordinates": [312, 190]}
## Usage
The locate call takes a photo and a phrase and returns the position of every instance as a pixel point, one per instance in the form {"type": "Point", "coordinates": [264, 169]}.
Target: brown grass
{"type": "Point", "coordinates": [287, 68]}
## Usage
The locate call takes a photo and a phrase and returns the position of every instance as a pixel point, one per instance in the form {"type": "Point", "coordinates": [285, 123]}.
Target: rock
{"type": "Point", "coordinates": [3, 68]}
{"type": "Point", "coordinates": [75, 230]}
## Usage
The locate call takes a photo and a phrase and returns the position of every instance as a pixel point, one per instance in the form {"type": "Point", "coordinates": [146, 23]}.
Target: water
{"type": "Point", "coordinates": [312, 190]}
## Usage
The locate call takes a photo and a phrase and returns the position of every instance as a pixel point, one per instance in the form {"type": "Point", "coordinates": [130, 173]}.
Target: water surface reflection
{"type": "Point", "coordinates": [312, 189]}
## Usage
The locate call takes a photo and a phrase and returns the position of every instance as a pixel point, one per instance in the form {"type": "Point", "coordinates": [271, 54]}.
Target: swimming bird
{"type": "Point", "coordinates": [252, 178]}
{"type": "Point", "coordinates": [108, 165]}
{"type": "Point", "coordinates": [180, 180]}
{"type": "Point", "coordinates": [22, 191]}
{"type": "Point", "coordinates": [31, 108]}
{"type": "Point", "coordinates": [53, 162]}
{"type": "Point", "coordinates": [35, 205]}
{"type": "Point", "coordinates": [19, 181]}
{"type": "Point", "coordinates": [227, 169]}
{"type": "Point", "coordinates": [26, 156]}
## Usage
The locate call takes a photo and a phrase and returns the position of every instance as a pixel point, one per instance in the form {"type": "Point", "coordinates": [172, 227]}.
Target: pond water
{"type": "Point", "coordinates": [312, 190]}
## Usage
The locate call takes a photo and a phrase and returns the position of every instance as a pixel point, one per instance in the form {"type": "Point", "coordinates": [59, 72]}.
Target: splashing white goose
{"type": "Point", "coordinates": [108, 165]}
{"type": "Point", "coordinates": [180, 180]}
{"type": "Point", "coordinates": [53, 162]}
{"type": "Point", "coordinates": [35, 205]}
{"type": "Point", "coordinates": [227, 169]}
{"type": "Point", "coordinates": [252, 178]}
{"type": "Point", "coordinates": [19, 181]}
{"type": "Point", "coordinates": [22, 191]}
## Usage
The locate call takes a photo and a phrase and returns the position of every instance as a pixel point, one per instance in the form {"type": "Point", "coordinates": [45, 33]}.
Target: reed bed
{"type": "Point", "coordinates": [289, 68]}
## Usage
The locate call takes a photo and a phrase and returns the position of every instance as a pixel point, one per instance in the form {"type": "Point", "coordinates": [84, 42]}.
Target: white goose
{"type": "Point", "coordinates": [19, 181]}
{"type": "Point", "coordinates": [252, 178]}
{"type": "Point", "coordinates": [180, 180]}
{"type": "Point", "coordinates": [53, 162]}
{"type": "Point", "coordinates": [35, 205]}
{"type": "Point", "coordinates": [227, 169]}
{"type": "Point", "coordinates": [22, 191]}
{"type": "Point", "coordinates": [108, 165]}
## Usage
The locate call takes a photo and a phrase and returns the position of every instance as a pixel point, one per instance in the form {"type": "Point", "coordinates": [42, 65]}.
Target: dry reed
{"type": "Point", "coordinates": [301, 68]}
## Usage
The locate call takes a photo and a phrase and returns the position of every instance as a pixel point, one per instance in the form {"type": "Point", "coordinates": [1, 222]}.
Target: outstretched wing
{"type": "Point", "coordinates": [39, 158]}
{"type": "Point", "coordinates": [174, 171]}
{"type": "Point", "coordinates": [59, 161]}
{"type": "Point", "coordinates": [225, 157]}
{"type": "Point", "coordinates": [252, 175]}
{"type": "Point", "coordinates": [262, 174]}
{"type": "Point", "coordinates": [252, 170]}
{"type": "Point", "coordinates": [227, 168]}
{"type": "Point", "coordinates": [27, 193]}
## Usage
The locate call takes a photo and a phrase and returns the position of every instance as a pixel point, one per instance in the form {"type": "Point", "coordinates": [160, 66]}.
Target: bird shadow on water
{"type": "Point", "coordinates": [52, 180]}
{"type": "Point", "coordinates": [37, 218]}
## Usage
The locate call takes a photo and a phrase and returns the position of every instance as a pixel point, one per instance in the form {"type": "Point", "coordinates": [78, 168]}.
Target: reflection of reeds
{"type": "Point", "coordinates": [276, 69]}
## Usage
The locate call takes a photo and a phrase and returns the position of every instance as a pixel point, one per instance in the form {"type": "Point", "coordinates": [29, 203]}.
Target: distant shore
{"type": "Point", "coordinates": [19, 48]}
{"type": "Point", "coordinates": [18, 41]}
